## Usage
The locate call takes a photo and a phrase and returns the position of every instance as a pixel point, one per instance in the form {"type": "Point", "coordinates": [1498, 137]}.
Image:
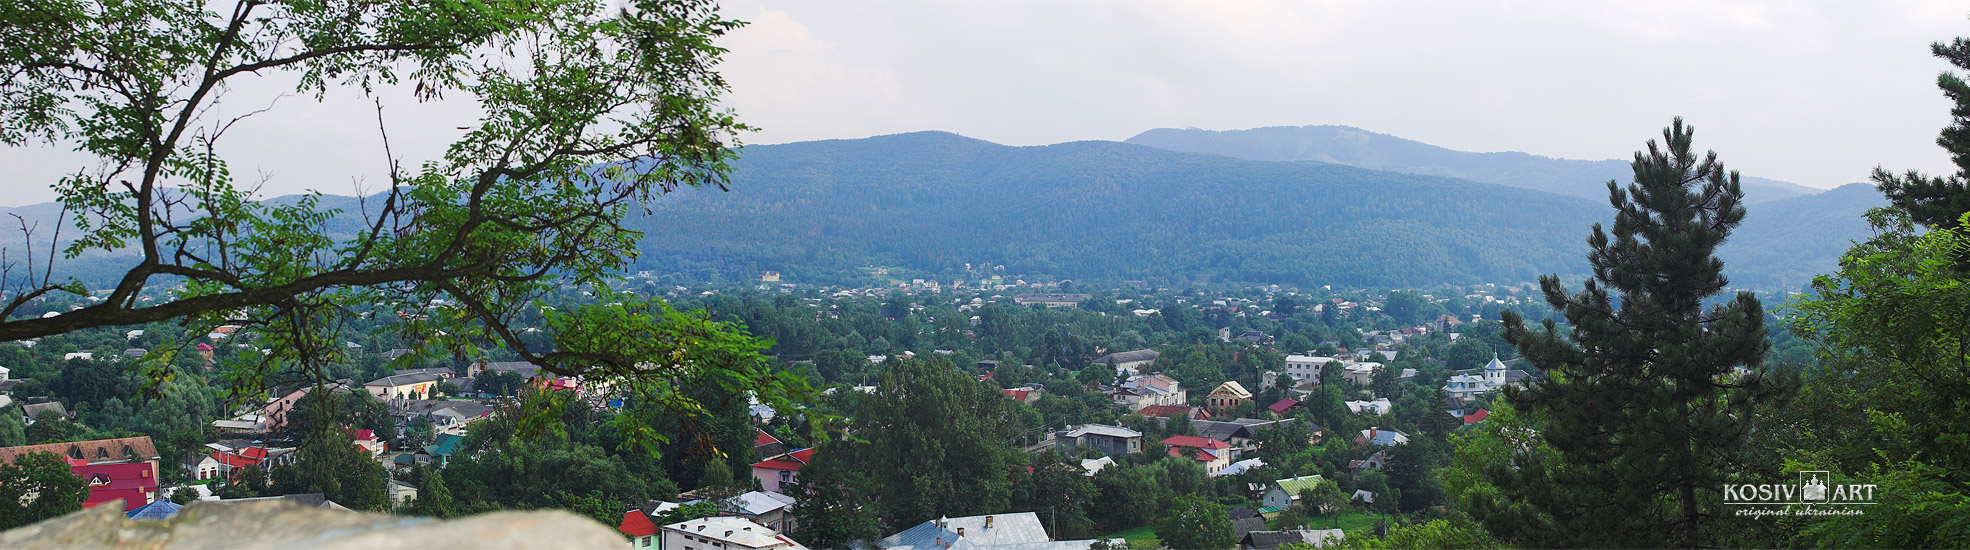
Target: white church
{"type": "Point", "coordinates": [1468, 384]}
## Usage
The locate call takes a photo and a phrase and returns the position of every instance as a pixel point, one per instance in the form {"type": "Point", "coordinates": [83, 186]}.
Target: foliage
{"type": "Point", "coordinates": [1645, 390]}
{"type": "Point", "coordinates": [1193, 521]}
{"type": "Point", "coordinates": [1940, 202]}
{"type": "Point", "coordinates": [590, 109]}
{"type": "Point", "coordinates": [1461, 534]}
{"type": "Point", "coordinates": [184, 495]}
{"type": "Point", "coordinates": [933, 443]}
{"type": "Point", "coordinates": [331, 464]}
{"type": "Point", "coordinates": [433, 497]}
{"type": "Point", "coordinates": [1129, 495]}
{"type": "Point", "coordinates": [686, 512]}
{"type": "Point", "coordinates": [37, 487]}
{"type": "Point", "coordinates": [837, 505]}
{"type": "Point", "coordinates": [805, 216]}
{"type": "Point", "coordinates": [498, 467]}
{"type": "Point", "coordinates": [52, 427]}
{"type": "Point", "coordinates": [590, 505]}
{"type": "Point", "coordinates": [1058, 489]}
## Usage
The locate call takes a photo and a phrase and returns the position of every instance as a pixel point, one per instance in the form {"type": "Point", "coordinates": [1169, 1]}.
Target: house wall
{"type": "Point", "coordinates": [1111, 445]}
{"type": "Point", "coordinates": [1276, 497]}
{"type": "Point", "coordinates": [770, 479]}
{"type": "Point", "coordinates": [404, 391]}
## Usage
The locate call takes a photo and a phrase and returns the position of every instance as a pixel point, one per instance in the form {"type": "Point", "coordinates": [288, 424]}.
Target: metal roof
{"type": "Point", "coordinates": [1102, 429]}
{"type": "Point", "coordinates": [1007, 529]}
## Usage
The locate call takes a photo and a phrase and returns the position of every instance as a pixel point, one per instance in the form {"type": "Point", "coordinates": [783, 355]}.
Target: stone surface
{"type": "Point", "coordinates": [280, 524]}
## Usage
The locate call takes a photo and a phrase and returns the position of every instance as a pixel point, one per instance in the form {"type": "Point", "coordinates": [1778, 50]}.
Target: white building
{"type": "Point", "coordinates": [1306, 367]}
{"type": "Point", "coordinates": [1361, 374]}
{"type": "Point", "coordinates": [1149, 389]}
{"type": "Point", "coordinates": [1377, 407]}
{"type": "Point", "coordinates": [724, 533]}
{"type": "Point", "coordinates": [1469, 385]}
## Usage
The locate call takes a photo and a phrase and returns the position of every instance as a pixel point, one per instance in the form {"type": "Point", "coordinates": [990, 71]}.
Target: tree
{"type": "Point", "coordinates": [590, 505]}
{"type": "Point", "coordinates": [12, 432]}
{"type": "Point", "coordinates": [836, 505]}
{"type": "Point", "coordinates": [718, 480]}
{"type": "Point", "coordinates": [590, 109]}
{"type": "Point", "coordinates": [419, 432]}
{"type": "Point", "coordinates": [1467, 353]}
{"type": "Point", "coordinates": [38, 486]}
{"type": "Point", "coordinates": [51, 427]}
{"type": "Point", "coordinates": [183, 496]}
{"type": "Point", "coordinates": [1646, 468]}
{"type": "Point", "coordinates": [1405, 306]}
{"type": "Point", "coordinates": [1940, 202]}
{"type": "Point", "coordinates": [1057, 488]}
{"type": "Point", "coordinates": [1385, 381]}
{"type": "Point", "coordinates": [1129, 494]}
{"type": "Point", "coordinates": [1195, 522]}
{"type": "Point", "coordinates": [1443, 534]}
{"type": "Point", "coordinates": [433, 497]}
{"type": "Point", "coordinates": [1323, 500]}
{"type": "Point", "coordinates": [328, 462]}
{"type": "Point", "coordinates": [935, 443]}
{"type": "Point", "coordinates": [502, 383]}
{"type": "Point", "coordinates": [249, 482]}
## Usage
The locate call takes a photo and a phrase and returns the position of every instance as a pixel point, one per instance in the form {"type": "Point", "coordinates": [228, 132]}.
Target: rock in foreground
{"type": "Point", "coordinates": [279, 524]}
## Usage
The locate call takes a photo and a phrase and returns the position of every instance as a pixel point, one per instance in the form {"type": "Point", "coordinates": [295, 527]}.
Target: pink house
{"type": "Point", "coordinates": [773, 473]}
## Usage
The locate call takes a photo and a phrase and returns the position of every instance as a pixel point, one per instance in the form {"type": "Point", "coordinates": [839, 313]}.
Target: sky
{"type": "Point", "coordinates": [1815, 93]}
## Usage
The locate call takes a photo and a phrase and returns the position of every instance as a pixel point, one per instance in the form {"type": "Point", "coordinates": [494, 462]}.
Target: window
{"type": "Point", "coordinates": [646, 542]}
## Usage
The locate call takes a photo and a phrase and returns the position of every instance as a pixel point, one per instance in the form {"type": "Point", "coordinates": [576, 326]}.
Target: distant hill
{"type": "Point", "coordinates": [1106, 211]}
{"type": "Point", "coordinates": [925, 204]}
{"type": "Point", "coordinates": [1783, 244]}
{"type": "Point", "coordinates": [1364, 149]}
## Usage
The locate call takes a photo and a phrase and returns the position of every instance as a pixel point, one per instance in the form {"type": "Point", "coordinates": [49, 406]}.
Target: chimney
{"type": "Point", "coordinates": [988, 522]}
{"type": "Point", "coordinates": [960, 531]}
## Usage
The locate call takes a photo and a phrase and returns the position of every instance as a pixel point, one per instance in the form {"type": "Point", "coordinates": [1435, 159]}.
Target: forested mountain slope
{"type": "Point", "coordinates": [1106, 211]}
{"type": "Point", "coordinates": [1361, 148]}
{"type": "Point", "coordinates": [925, 204]}
{"type": "Point", "coordinates": [1783, 244]}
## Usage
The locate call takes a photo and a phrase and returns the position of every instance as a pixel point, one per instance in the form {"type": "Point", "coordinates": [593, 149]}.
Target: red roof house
{"type": "Point", "coordinates": [637, 525]}
{"type": "Point", "coordinates": [1477, 417]}
{"type": "Point", "coordinates": [1214, 454]}
{"type": "Point", "coordinates": [1282, 405]}
{"type": "Point", "coordinates": [116, 469]}
{"type": "Point", "coordinates": [764, 444]}
{"type": "Point", "coordinates": [774, 472]}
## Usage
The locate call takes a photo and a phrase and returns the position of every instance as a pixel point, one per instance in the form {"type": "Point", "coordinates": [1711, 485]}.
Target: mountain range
{"type": "Point", "coordinates": [1364, 149]}
{"type": "Point", "coordinates": [1227, 208]}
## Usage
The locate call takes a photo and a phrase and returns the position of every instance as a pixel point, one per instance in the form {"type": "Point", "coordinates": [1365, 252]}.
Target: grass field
{"type": "Point", "coordinates": [1140, 537]}
{"type": "Point", "coordinates": [1353, 524]}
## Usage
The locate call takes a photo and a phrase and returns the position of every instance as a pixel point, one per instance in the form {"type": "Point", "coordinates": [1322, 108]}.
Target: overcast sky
{"type": "Point", "coordinates": [1813, 93]}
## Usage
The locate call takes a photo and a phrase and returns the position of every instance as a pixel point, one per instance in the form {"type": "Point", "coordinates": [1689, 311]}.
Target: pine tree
{"type": "Point", "coordinates": [1940, 202]}
{"type": "Point", "coordinates": [1642, 396]}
